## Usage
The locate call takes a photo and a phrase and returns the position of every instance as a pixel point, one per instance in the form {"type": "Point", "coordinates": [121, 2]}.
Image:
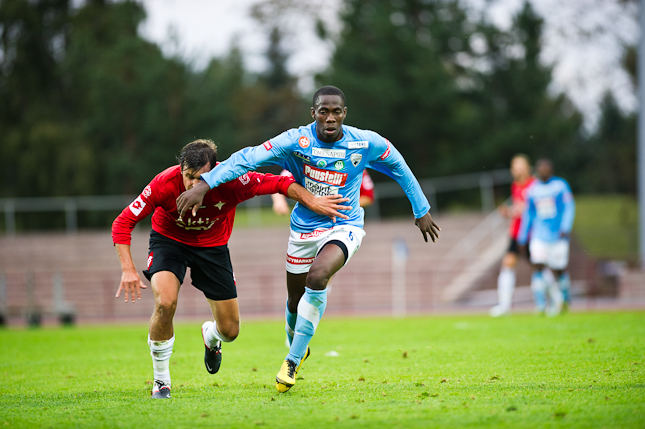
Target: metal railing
{"type": "Point", "coordinates": [485, 181]}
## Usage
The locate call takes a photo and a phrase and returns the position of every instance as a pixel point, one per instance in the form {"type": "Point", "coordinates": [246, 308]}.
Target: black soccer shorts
{"type": "Point", "coordinates": [211, 269]}
{"type": "Point", "coordinates": [514, 247]}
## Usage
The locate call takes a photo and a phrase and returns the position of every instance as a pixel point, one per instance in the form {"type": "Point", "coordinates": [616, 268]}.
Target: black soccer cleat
{"type": "Point", "coordinates": [212, 355]}
{"type": "Point", "coordinates": [213, 358]}
{"type": "Point", "coordinates": [161, 390]}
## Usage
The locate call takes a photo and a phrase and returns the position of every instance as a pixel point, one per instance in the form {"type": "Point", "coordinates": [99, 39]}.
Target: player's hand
{"type": "Point", "coordinates": [328, 205]}
{"type": "Point", "coordinates": [132, 284]}
{"type": "Point", "coordinates": [192, 198]}
{"type": "Point", "coordinates": [428, 227]}
{"type": "Point", "coordinates": [280, 205]}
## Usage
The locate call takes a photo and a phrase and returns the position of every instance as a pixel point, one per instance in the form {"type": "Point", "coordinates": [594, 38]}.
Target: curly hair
{"type": "Point", "coordinates": [197, 154]}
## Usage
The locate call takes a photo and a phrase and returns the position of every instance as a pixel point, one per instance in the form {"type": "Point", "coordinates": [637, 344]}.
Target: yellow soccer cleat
{"type": "Point", "coordinates": [286, 378]}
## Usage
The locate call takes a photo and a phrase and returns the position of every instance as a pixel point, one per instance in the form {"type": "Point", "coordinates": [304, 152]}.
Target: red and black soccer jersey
{"type": "Point", "coordinates": [214, 221]}
{"type": "Point", "coordinates": [518, 196]}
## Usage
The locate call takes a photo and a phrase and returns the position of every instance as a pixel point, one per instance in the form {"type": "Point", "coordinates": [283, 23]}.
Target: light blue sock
{"type": "Point", "coordinates": [290, 325]}
{"type": "Point", "coordinates": [565, 286]}
{"type": "Point", "coordinates": [538, 286]}
{"type": "Point", "coordinates": [310, 310]}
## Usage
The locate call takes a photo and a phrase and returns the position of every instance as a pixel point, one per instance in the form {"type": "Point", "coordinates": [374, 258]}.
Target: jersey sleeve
{"type": "Point", "coordinates": [569, 209]}
{"type": "Point", "coordinates": [272, 151]}
{"type": "Point", "coordinates": [384, 157]}
{"type": "Point", "coordinates": [138, 210]}
{"type": "Point", "coordinates": [252, 184]}
{"type": "Point", "coordinates": [527, 220]}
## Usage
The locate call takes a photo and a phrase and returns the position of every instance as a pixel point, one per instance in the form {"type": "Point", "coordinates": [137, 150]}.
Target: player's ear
{"type": "Point", "coordinates": [313, 113]}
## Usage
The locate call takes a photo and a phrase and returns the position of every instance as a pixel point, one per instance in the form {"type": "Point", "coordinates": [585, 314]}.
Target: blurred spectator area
{"type": "Point", "coordinates": [456, 273]}
{"type": "Point", "coordinates": [72, 273]}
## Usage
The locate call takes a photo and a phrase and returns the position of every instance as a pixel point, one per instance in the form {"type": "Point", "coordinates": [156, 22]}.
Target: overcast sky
{"type": "Point", "coordinates": [583, 40]}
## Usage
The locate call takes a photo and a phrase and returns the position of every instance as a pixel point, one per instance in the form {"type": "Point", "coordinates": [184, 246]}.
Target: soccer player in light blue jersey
{"type": "Point", "coordinates": [548, 219]}
{"type": "Point", "coordinates": [327, 158]}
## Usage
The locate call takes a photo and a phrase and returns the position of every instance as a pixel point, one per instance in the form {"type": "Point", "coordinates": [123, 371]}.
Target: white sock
{"type": "Point", "coordinates": [506, 286]}
{"type": "Point", "coordinates": [212, 335]}
{"type": "Point", "coordinates": [160, 352]}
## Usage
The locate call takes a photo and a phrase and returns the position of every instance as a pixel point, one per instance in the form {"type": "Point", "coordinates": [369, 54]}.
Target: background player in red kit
{"type": "Point", "coordinates": [281, 207]}
{"type": "Point", "coordinates": [522, 180]}
{"type": "Point", "coordinates": [196, 242]}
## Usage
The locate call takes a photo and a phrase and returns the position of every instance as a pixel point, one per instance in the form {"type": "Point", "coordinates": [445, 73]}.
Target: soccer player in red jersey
{"type": "Point", "coordinates": [198, 242]}
{"type": "Point", "coordinates": [522, 180]}
{"type": "Point", "coordinates": [281, 207]}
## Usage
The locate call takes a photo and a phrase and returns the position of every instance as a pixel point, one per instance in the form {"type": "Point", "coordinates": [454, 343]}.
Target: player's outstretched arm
{"type": "Point", "coordinates": [192, 198]}
{"type": "Point", "coordinates": [428, 227]}
{"type": "Point", "coordinates": [327, 205]}
{"type": "Point", "coordinates": [131, 283]}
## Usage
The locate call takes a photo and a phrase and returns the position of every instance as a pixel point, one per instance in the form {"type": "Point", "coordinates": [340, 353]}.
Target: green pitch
{"type": "Point", "coordinates": [578, 370]}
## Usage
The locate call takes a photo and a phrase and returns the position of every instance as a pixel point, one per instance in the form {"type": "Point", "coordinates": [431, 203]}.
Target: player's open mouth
{"type": "Point", "coordinates": [330, 130]}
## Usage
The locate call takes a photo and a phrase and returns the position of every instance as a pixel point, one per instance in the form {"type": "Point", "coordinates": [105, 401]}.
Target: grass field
{"type": "Point", "coordinates": [607, 226]}
{"type": "Point", "coordinates": [578, 370]}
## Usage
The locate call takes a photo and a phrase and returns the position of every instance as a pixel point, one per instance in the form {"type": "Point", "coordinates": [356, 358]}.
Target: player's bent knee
{"type": "Point", "coordinates": [317, 280]}
{"type": "Point", "coordinates": [229, 331]}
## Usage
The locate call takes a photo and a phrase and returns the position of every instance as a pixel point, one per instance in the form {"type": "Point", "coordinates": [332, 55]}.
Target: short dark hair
{"type": "Point", "coordinates": [197, 154]}
{"type": "Point", "coordinates": [328, 90]}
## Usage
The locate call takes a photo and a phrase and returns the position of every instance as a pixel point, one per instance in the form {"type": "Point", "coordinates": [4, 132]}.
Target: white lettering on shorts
{"type": "Point", "coordinates": [299, 261]}
{"type": "Point", "coordinates": [316, 233]}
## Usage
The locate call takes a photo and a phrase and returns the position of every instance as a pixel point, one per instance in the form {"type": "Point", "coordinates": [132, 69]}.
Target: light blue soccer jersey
{"type": "Point", "coordinates": [325, 169]}
{"type": "Point", "coordinates": [549, 211]}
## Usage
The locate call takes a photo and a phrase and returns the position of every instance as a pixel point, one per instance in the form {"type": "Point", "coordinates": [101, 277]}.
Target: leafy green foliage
{"type": "Point", "coordinates": [579, 370]}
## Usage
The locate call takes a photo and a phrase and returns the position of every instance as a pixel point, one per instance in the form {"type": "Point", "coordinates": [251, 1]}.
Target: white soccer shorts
{"type": "Point", "coordinates": [554, 255]}
{"type": "Point", "coordinates": [304, 246]}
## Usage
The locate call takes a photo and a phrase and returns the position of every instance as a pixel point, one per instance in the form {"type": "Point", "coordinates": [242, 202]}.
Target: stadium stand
{"type": "Point", "coordinates": [466, 258]}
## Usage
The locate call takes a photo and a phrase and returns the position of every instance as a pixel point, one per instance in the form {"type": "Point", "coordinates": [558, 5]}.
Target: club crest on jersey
{"type": "Point", "coordinates": [245, 179]}
{"type": "Point", "coordinates": [267, 145]}
{"type": "Point", "coordinates": [325, 176]}
{"type": "Point", "coordinates": [328, 153]}
{"type": "Point", "coordinates": [302, 156]}
{"type": "Point", "coordinates": [387, 151]}
{"type": "Point", "coordinates": [339, 165]}
{"type": "Point", "coordinates": [321, 163]}
{"type": "Point", "coordinates": [137, 206]}
{"type": "Point", "coordinates": [303, 142]}
{"type": "Point", "coordinates": [356, 158]}
{"type": "Point", "coordinates": [358, 145]}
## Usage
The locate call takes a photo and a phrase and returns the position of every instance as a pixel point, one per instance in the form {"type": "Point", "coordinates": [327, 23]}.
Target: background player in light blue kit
{"type": "Point", "coordinates": [548, 219]}
{"type": "Point", "coordinates": [327, 158]}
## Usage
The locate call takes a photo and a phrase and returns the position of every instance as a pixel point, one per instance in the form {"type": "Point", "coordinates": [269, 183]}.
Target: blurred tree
{"type": "Point", "coordinates": [128, 98]}
{"type": "Point", "coordinates": [33, 36]}
{"type": "Point", "coordinates": [454, 94]}
{"type": "Point", "coordinates": [521, 114]}
{"type": "Point", "coordinates": [610, 154]}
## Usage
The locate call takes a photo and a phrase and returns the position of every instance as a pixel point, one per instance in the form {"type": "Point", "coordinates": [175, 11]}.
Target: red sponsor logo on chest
{"type": "Point", "coordinates": [325, 176]}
